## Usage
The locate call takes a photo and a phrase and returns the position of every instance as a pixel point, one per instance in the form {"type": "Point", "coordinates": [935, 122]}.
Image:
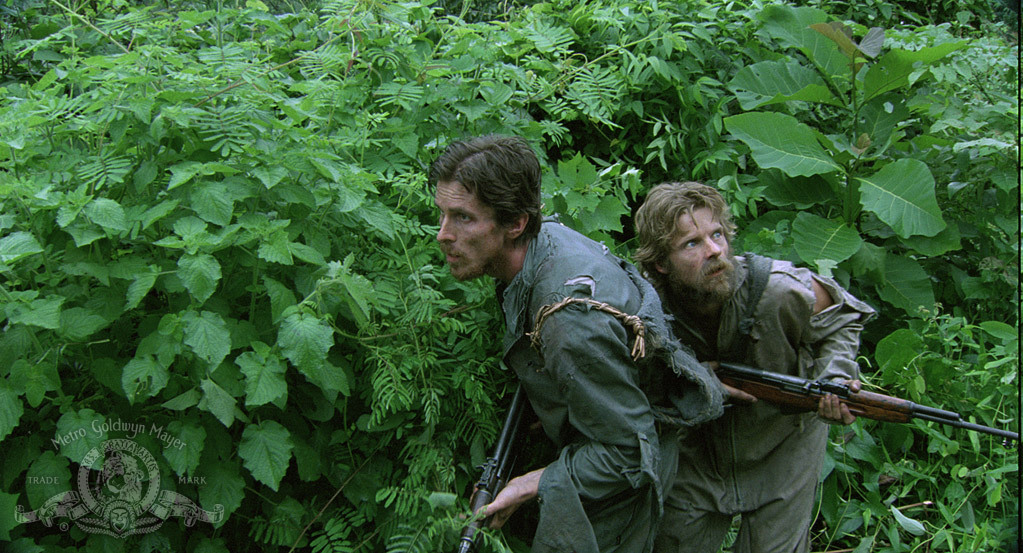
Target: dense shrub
{"type": "Point", "coordinates": [215, 223]}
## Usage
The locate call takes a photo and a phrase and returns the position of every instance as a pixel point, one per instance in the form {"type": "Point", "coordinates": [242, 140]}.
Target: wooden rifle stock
{"type": "Point", "coordinates": [495, 470]}
{"type": "Point", "coordinates": [799, 394]}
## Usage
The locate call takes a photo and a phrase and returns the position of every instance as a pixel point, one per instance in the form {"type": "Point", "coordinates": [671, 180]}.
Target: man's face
{"type": "Point", "coordinates": [700, 266]}
{"type": "Point", "coordinates": [473, 243]}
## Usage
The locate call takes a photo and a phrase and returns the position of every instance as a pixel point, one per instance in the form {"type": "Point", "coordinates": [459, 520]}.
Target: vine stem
{"type": "Point", "coordinates": [90, 25]}
{"type": "Point", "coordinates": [331, 500]}
{"type": "Point", "coordinates": [243, 80]}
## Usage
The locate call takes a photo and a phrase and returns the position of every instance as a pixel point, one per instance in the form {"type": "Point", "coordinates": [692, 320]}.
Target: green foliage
{"type": "Point", "coordinates": [215, 223]}
{"type": "Point", "coordinates": [925, 487]}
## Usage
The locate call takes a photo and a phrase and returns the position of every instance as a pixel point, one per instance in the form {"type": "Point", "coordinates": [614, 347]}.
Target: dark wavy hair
{"type": "Point", "coordinates": [657, 222]}
{"type": "Point", "coordinates": [501, 171]}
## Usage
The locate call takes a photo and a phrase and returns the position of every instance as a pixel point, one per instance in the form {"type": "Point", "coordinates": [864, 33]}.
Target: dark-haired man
{"type": "Point", "coordinates": [754, 461]}
{"type": "Point", "coordinates": [587, 339]}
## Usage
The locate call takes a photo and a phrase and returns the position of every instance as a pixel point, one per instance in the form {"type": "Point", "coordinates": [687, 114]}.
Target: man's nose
{"type": "Point", "coordinates": [444, 233]}
{"type": "Point", "coordinates": [713, 248]}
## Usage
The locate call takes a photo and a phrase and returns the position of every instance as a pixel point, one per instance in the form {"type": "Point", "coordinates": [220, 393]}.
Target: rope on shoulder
{"type": "Point", "coordinates": [631, 322]}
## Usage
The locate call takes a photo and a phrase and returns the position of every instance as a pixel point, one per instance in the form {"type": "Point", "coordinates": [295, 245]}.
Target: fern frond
{"type": "Point", "coordinates": [125, 21]}
{"type": "Point", "coordinates": [337, 533]}
{"type": "Point", "coordinates": [411, 539]}
{"type": "Point", "coordinates": [103, 169]}
{"type": "Point", "coordinates": [229, 129]}
{"type": "Point", "coordinates": [549, 39]}
{"type": "Point", "coordinates": [405, 95]}
{"type": "Point", "coordinates": [596, 92]}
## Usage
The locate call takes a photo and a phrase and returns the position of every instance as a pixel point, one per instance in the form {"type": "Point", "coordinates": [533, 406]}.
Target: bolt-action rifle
{"type": "Point", "coordinates": [495, 470]}
{"type": "Point", "coordinates": [795, 394]}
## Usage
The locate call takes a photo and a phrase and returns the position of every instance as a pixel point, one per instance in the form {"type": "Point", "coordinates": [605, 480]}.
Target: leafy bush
{"type": "Point", "coordinates": [215, 223]}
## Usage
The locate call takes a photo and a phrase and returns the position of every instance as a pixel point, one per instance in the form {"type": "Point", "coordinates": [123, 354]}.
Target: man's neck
{"type": "Point", "coordinates": [512, 263]}
{"type": "Point", "coordinates": [698, 309]}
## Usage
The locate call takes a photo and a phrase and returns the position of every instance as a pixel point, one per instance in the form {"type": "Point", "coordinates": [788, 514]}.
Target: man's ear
{"type": "Point", "coordinates": [516, 227]}
{"type": "Point", "coordinates": [660, 268]}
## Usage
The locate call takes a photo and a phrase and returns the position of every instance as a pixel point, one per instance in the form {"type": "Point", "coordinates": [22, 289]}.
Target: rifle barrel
{"type": "Point", "coordinates": [904, 409]}
{"type": "Point", "coordinates": [496, 470]}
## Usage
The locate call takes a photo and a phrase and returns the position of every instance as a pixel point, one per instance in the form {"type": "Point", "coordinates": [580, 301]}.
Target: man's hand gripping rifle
{"type": "Point", "coordinates": [496, 470]}
{"type": "Point", "coordinates": [799, 394]}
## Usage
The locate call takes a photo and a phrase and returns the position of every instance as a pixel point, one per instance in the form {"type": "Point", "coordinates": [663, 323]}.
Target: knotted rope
{"type": "Point", "coordinates": [631, 322]}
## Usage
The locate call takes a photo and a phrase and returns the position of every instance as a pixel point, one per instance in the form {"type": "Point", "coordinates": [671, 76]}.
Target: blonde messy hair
{"type": "Point", "coordinates": [657, 222]}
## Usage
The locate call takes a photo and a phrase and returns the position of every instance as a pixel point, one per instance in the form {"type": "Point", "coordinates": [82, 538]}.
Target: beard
{"type": "Point", "coordinates": [713, 285]}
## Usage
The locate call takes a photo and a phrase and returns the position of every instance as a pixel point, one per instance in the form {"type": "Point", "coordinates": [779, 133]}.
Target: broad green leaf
{"type": "Point", "coordinates": [896, 351]}
{"type": "Point", "coordinates": [906, 285]}
{"type": "Point", "coordinates": [184, 447]}
{"type": "Point", "coordinates": [840, 34]}
{"type": "Point", "coordinates": [378, 217]}
{"type": "Point", "coordinates": [869, 262]}
{"type": "Point", "coordinates": [791, 27]}
{"type": "Point", "coordinates": [79, 432]}
{"type": "Point", "coordinates": [84, 235]}
{"type": "Point", "coordinates": [880, 119]}
{"type": "Point", "coordinates": [774, 82]}
{"type": "Point", "coordinates": [577, 173]}
{"type": "Point", "coordinates": [359, 290]}
{"type": "Point", "coordinates": [799, 192]}
{"type": "Point", "coordinates": [264, 377]}
{"type": "Point", "coordinates": [213, 202]}
{"type": "Point", "coordinates": [305, 339]}
{"type": "Point", "coordinates": [275, 249]}
{"type": "Point", "coordinates": [280, 296]}
{"type": "Point", "coordinates": [87, 268]}
{"type": "Point", "coordinates": [902, 195]}
{"type": "Point", "coordinates": [182, 173]}
{"type": "Point", "coordinates": [17, 245]}
{"type": "Point", "coordinates": [217, 401]}
{"type": "Point", "coordinates": [306, 253]}
{"type": "Point", "coordinates": [78, 323]}
{"type": "Point", "coordinates": [270, 176]}
{"type": "Point", "coordinates": [933, 246]}
{"type": "Point", "coordinates": [143, 377]}
{"type": "Point", "coordinates": [8, 506]}
{"type": "Point", "coordinates": [138, 288]}
{"type": "Point", "coordinates": [265, 450]}
{"type": "Point", "coordinates": [408, 144]}
{"type": "Point", "coordinates": [157, 212]}
{"type": "Point", "coordinates": [145, 175]}
{"type": "Point", "coordinates": [50, 478]}
{"type": "Point", "coordinates": [182, 401]}
{"type": "Point", "coordinates": [348, 198]}
{"type": "Point", "coordinates": [779, 140]}
{"type": "Point", "coordinates": [817, 239]}
{"type": "Point", "coordinates": [1000, 330]}
{"type": "Point", "coordinates": [496, 94]}
{"type": "Point", "coordinates": [43, 313]}
{"type": "Point", "coordinates": [225, 486]}
{"type": "Point", "coordinates": [329, 379]}
{"type": "Point", "coordinates": [200, 274]}
{"type": "Point", "coordinates": [607, 216]}
{"type": "Point", "coordinates": [34, 380]}
{"type": "Point", "coordinates": [893, 69]}
{"type": "Point", "coordinates": [108, 214]}
{"type": "Point", "coordinates": [908, 524]}
{"type": "Point", "coordinates": [11, 409]}
{"type": "Point", "coordinates": [208, 336]}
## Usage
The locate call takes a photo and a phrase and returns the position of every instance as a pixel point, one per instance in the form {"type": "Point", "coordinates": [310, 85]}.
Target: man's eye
{"type": "Point", "coordinates": [465, 218]}
{"type": "Point", "coordinates": [691, 244]}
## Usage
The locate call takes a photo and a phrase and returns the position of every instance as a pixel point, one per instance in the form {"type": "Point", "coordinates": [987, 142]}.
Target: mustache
{"type": "Point", "coordinates": [715, 266]}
